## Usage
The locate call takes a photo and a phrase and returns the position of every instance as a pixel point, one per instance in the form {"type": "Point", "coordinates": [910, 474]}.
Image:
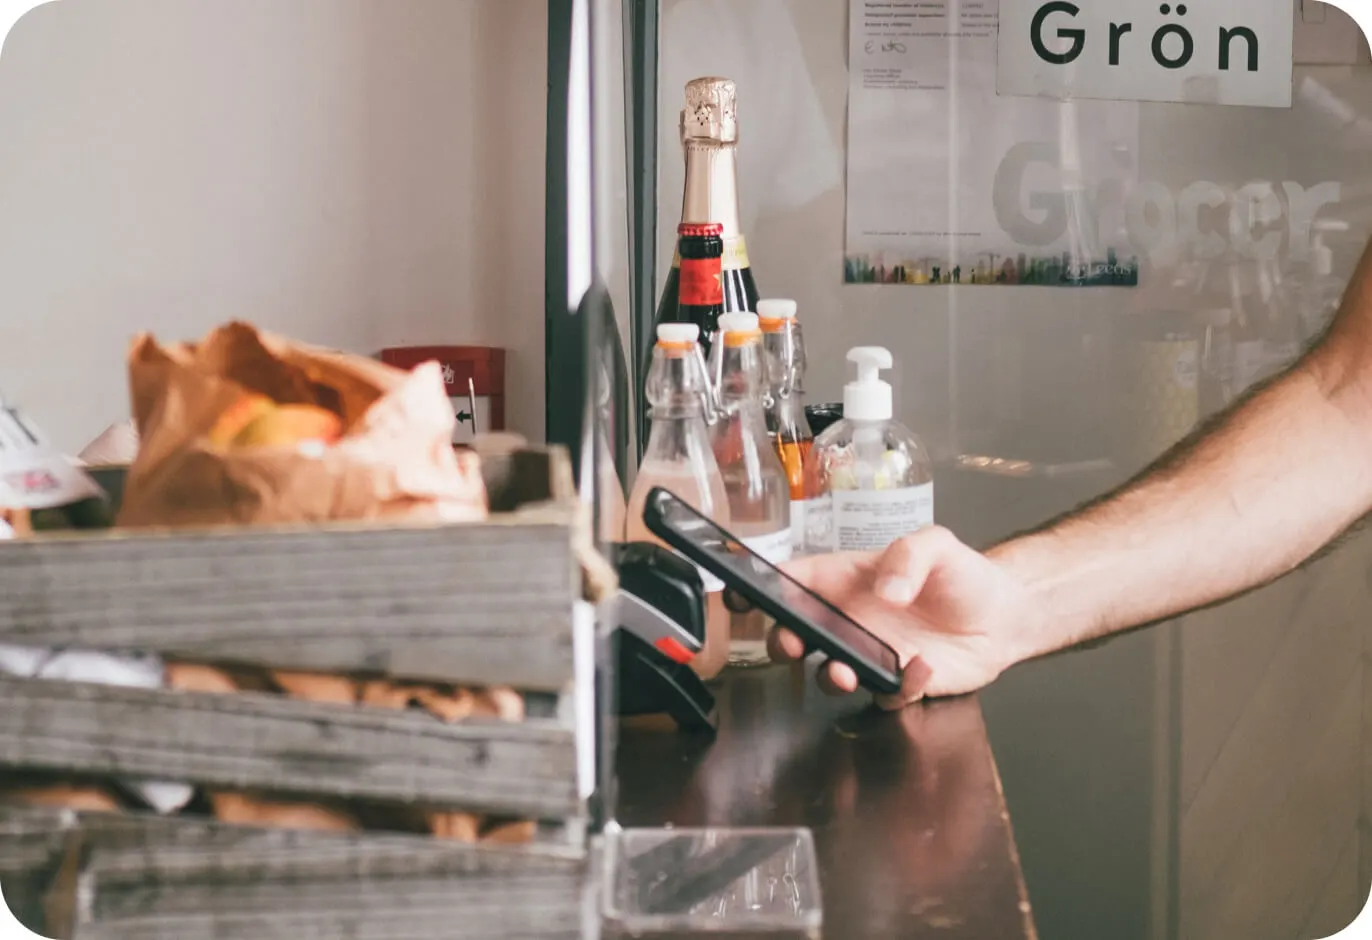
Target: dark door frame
{"type": "Point", "coordinates": [564, 332]}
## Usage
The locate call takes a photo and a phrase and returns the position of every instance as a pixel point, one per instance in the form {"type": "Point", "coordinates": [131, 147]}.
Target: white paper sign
{"type": "Point", "coordinates": [949, 183]}
{"type": "Point", "coordinates": [1230, 52]}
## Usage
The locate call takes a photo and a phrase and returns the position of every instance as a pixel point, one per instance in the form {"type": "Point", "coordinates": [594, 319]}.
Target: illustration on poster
{"type": "Point", "coordinates": [1160, 45]}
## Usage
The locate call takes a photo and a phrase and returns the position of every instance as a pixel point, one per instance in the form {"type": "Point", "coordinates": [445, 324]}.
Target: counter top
{"type": "Point", "coordinates": [911, 831]}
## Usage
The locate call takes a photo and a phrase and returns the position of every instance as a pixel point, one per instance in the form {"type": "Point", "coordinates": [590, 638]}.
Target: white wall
{"type": "Point", "coordinates": [357, 173]}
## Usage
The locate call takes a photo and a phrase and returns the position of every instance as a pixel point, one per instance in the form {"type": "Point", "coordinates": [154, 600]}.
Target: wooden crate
{"type": "Point", "coordinates": [161, 879]}
{"type": "Point", "coordinates": [475, 604]}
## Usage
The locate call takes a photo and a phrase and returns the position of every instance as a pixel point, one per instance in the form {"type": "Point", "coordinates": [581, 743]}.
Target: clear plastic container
{"type": "Point", "coordinates": [716, 881]}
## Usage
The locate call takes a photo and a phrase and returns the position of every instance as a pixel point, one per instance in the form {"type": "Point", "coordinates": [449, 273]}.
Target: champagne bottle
{"type": "Point", "coordinates": [709, 141]}
{"type": "Point", "coordinates": [700, 280]}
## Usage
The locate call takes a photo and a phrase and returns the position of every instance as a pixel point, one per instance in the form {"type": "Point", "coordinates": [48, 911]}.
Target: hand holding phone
{"type": "Point", "coordinates": [819, 623]}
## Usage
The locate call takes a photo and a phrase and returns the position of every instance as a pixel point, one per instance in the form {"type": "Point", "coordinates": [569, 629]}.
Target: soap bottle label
{"type": "Point", "coordinates": [817, 518]}
{"type": "Point", "coordinates": [870, 520]}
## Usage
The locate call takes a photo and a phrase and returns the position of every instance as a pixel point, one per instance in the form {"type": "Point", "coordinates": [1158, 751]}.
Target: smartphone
{"type": "Point", "coordinates": [819, 623]}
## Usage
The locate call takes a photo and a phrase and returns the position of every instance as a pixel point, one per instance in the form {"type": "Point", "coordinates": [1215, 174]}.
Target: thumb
{"type": "Point", "coordinates": [903, 569]}
{"type": "Point", "coordinates": [914, 683]}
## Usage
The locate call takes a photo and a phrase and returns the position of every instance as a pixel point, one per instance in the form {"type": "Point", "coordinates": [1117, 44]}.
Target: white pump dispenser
{"type": "Point", "coordinates": [872, 480]}
{"type": "Point", "coordinates": [869, 398]}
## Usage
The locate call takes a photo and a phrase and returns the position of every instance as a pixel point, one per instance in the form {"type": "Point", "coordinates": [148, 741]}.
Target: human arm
{"type": "Point", "coordinates": [1238, 504]}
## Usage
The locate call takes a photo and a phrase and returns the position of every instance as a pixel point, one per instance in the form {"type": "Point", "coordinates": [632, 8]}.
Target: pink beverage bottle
{"type": "Point", "coordinates": [679, 458]}
{"type": "Point", "coordinates": [754, 479]}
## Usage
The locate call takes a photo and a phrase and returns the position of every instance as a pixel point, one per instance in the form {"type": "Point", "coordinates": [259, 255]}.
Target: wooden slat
{"type": "Point", "coordinates": [30, 839]}
{"type": "Point", "coordinates": [282, 745]}
{"type": "Point", "coordinates": [148, 865]}
{"type": "Point", "coordinates": [130, 848]}
{"type": "Point", "coordinates": [497, 907]}
{"type": "Point", "coordinates": [480, 604]}
{"type": "Point", "coordinates": [139, 846]}
{"type": "Point", "coordinates": [34, 844]}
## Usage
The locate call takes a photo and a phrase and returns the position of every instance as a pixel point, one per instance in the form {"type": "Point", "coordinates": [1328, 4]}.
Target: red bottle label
{"type": "Point", "coordinates": [701, 282]}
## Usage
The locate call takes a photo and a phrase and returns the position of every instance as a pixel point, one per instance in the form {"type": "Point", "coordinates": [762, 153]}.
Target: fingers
{"type": "Point", "coordinates": [784, 646]}
{"type": "Point", "coordinates": [836, 678]}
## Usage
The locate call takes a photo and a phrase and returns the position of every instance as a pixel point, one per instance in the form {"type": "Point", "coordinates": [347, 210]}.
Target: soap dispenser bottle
{"type": "Point", "coordinates": [871, 478]}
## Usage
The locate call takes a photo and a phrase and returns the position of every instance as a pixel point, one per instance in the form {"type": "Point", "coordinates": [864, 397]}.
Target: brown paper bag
{"type": "Point", "coordinates": [394, 460]}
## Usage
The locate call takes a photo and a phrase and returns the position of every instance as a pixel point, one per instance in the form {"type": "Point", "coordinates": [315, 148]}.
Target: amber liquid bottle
{"type": "Point", "coordinates": [709, 141]}
{"type": "Point", "coordinates": [787, 424]}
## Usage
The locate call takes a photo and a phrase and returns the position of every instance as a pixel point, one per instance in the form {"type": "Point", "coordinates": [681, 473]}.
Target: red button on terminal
{"type": "Point", "coordinates": [674, 650]}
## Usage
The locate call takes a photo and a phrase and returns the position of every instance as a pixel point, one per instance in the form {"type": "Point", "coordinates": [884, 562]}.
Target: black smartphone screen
{"type": "Point", "coordinates": [810, 616]}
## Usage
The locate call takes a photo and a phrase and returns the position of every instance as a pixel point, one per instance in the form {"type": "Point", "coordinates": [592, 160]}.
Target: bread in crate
{"type": "Point", "coordinates": [349, 674]}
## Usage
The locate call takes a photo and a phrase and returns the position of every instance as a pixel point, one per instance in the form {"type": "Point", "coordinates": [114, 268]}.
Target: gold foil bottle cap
{"type": "Point", "coordinates": [711, 111]}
